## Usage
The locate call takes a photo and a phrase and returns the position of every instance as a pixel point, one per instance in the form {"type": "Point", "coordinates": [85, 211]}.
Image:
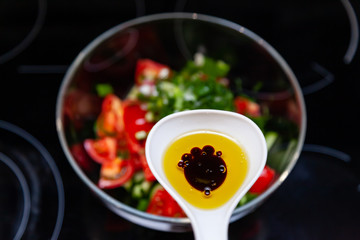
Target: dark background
{"type": "Point", "coordinates": [320, 199]}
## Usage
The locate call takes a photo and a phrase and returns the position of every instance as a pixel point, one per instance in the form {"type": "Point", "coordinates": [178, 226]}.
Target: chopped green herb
{"type": "Point", "coordinates": [104, 89]}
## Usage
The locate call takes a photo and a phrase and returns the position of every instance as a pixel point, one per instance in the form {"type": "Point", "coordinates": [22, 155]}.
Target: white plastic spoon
{"type": "Point", "coordinates": [208, 224]}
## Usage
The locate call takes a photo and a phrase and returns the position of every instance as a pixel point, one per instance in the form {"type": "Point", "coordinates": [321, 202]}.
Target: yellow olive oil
{"type": "Point", "coordinates": [233, 164]}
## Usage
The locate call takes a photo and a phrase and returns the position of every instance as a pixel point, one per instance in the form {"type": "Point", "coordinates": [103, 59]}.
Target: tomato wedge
{"type": "Point", "coordinates": [164, 205]}
{"type": "Point", "coordinates": [136, 126]}
{"type": "Point", "coordinates": [149, 176]}
{"type": "Point", "coordinates": [102, 150]}
{"type": "Point", "coordinates": [150, 71]}
{"type": "Point", "coordinates": [247, 107]}
{"type": "Point", "coordinates": [135, 161]}
{"type": "Point", "coordinates": [110, 121]}
{"type": "Point", "coordinates": [115, 173]}
{"type": "Point", "coordinates": [264, 181]}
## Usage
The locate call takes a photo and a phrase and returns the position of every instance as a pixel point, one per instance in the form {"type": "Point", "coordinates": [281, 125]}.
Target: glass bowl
{"type": "Point", "coordinates": [173, 39]}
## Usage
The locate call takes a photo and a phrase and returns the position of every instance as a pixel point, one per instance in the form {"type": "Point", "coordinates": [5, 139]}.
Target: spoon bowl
{"type": "Point", "coordinates": [207, 223]}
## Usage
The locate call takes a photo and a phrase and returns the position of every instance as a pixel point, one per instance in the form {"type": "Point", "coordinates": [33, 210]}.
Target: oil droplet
{"type": "Point", "coordinates": [207, 191]}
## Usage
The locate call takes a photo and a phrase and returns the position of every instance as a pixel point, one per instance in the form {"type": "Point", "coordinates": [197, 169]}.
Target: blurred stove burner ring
{"type": "Point", "coordinates": [354, 31]}
{"type": "Point", "coordinates": [27, 177]}
{"type": "Point", "coordinates": [26, 202]}
{"type": "Point", "coordinates": [326, 79]}
{"type": "Point", "coordinates": [118, 54]}
{"type": "Point", "coordinates": [30, 36]}
{"type": "Point", "coordinates": [180, 6]}
{"type": "Point", "coordinates": [323, 76]}
{"type": "Point", "coordinates": [327, 151]}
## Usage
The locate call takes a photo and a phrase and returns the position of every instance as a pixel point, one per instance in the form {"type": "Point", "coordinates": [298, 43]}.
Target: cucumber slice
{"type": "Point", "coordinates": [142, 204]}
{"type": "Point", "coordinates": [145, 187]}
{"type": "Point", "coordinates": [128, 185]}
{"type": "Point", "coordinates": [138, 177]}
{"type": "Point", "coordinates": [270, 138]}
{"type": "Point", "coordinates": [137, 192]}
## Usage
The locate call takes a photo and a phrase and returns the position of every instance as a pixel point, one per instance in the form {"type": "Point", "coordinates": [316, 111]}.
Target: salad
{"type": "Point", "coordinates": [115, 149]}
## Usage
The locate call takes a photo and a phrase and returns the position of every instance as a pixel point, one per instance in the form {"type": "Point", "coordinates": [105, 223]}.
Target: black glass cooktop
{"type": "Point", "coordinates": [42, 198]}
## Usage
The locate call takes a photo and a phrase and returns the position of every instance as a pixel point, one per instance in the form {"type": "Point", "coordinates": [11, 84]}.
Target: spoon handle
{"type": "Point", "coordinates": [210, 226]}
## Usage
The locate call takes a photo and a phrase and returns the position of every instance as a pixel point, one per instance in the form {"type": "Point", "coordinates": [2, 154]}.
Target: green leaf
{"type": "Point", "coordinates": [104, 89]}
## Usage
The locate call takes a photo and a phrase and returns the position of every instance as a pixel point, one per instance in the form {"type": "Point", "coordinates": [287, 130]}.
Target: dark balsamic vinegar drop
{"type": "Point", "coordinates": [204, 168]}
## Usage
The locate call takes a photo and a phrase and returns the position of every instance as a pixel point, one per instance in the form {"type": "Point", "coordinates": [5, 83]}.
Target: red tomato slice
{"type": "Point", "coordinates": [164, 205]}
{"type": "Point", "coordinates": [137, 128]}
{"type": "Point", "coordinates": [264, 181]}
{"type": "Point", "coordinates": [157, 203]}
{"type": "Point", "coordinates": [135, 125]}
{"type": "Point", "coordinates": [111, 103]}
{"type": "Point", "coordinates": [173, 209]}
{"type": "Point", "coordinates": [247, 107]}
{"type": "Point", "coordinates": [115, 173]}
{"type": "Point", "coordinates": [149, 176]}
{"type": "Point", "coordinates": [150, 71]}
{"type": "Point", "coordinates": [135, 161]}
{"type": "Point", "coordinates": [102, 150]}
{"type": "Point", "coordinates": [110, 121]}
